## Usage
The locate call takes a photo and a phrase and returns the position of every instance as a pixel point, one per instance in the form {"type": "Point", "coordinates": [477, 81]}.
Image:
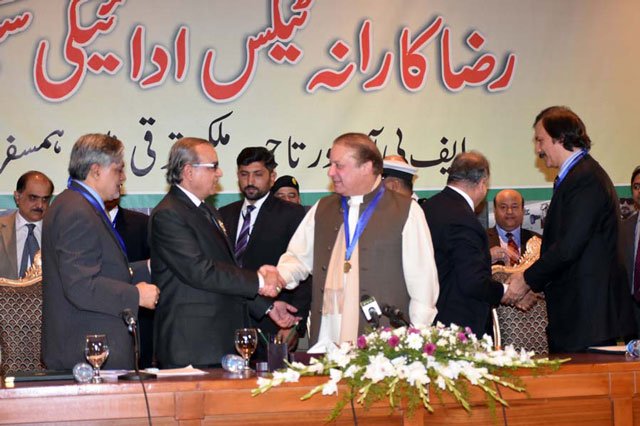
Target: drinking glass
{"type": "Point", "coordinates": [246, 340]}
{"type": "Point", "coordinates": [96, 351]}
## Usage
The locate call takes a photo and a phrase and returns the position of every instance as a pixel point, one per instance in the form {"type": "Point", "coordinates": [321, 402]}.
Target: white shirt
{"type": "Point", "coordinates": [254, 214]}
{"type": "Point", "coordinates": [21, 236]}
{"type": "Point", "coordinates": [418, 262]}
{"type": "Point", "coordinates": [464, 195]}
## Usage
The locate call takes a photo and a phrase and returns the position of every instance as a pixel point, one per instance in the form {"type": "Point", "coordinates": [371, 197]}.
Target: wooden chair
{"type": "Point", "coordinates": [21, 321]}
{"type": "Point", "coordinates": [512, 326]}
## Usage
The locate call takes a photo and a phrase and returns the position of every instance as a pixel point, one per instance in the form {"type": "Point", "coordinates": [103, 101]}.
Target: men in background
{"type": "Point", "coordinates": [205, 292]}
{"type": "Point", "coordinates": [362, 240]}
{"type": "Point", "coordinates": [467, 291]}
{"type": "Point", "coordinates": [398, 175]}
{"type": "Point", "coordinates": [20, 232]}
{"type": "Point", "coordinates": [630, 234]}
{"type": "Point", "coordinates": [581, 268]}
{"type": "Point", "coordinates": [84, 262]}
{"type": "Point", "coordinates": [132, 227]}
{"type": "Point", "coordinates": [508, 239]}
{"type": "Point", "coordinates": [287, 188]}
{"type": "Point", "coordinates": [261, 226]}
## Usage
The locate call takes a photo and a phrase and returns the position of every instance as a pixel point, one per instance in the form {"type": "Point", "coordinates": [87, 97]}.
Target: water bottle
{"type": "Point", "coordinates": [232, 363]}
{"type": "Point", "coordinates": [633, 348]}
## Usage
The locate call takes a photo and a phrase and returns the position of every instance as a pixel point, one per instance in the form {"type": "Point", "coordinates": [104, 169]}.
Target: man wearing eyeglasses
{"type": "Point", "coordinates": [20, 232]}
{"type": "Point", "coordinates": [206, 294]}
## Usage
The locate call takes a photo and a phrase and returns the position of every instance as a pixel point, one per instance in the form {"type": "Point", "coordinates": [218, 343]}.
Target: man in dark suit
{"type": "Point", "coordinates": [467, 291]}
{"type": "Point", "coordinates": [630, 236]}
{"type": "Point", "coordinates": [205, 292]}
{"type": "Point", "coordinates": [88, 281]}
{"type": "Point", "coordinates": [132, 227]}
{"type": "Point", "coordinates": [508, 239]}
{"type": "Point", "coordinates": [272, 222]}
{"type": "Point", "coordinates": [581, 268]}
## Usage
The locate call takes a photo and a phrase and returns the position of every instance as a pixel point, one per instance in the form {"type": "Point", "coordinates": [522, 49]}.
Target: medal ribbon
{"type": "Point", "coordinates": [360, 225]}
{"type": "Point", "coordinates": [98, 208]}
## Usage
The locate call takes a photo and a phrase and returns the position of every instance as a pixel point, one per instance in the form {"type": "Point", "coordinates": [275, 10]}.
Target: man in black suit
{"type": "Point", "coordinates": [132, 227]}
{"type": "Point", "coordinates": [508, 239]}
{"type": "Point", "coordinates": [206, 295]}
{"type": "Point", "coordinates": [467, 291]}
{"type": "Point", "coordinates": [581, 268]}
{"type": "Point", "coordinates": [88, 281]}
{"type": "Point", "coordinates": [630, 236]}
{"type": "Point", "coordinates": [271, 223]}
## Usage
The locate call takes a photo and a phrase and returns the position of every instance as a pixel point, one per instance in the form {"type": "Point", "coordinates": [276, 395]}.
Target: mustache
{"type": "Point", "coordinates": [542, 155]}
{"type": "Point", "coordinates": [38, 210]}
{"type": "Point", "coordinates": [250, 187]}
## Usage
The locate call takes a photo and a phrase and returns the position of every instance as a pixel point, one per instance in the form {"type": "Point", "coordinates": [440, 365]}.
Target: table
{"type": "Point", "coordinates": [590, 390]}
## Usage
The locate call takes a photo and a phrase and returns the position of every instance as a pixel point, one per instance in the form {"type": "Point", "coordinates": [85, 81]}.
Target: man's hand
{"type": "Point", "coordinates": [506, 255]}
{"type": "Point", "coordinates": [288, 336]}
{"type": "Point", "coordinates": [517, 289]}
{"type": "Point", "coordinates": [149, 295]}
{"type": "Point", "coordinates": [281, 314]}
{"type": "Point", "coordinates": [528, 301]}
{"type": "Point", "coordinates": [273, 282]}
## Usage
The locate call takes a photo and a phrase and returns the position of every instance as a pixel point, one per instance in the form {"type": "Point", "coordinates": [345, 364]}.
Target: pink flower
{"type": "Point", "coordinates": [393, 341]}
{"type": "Point", "coordinates": [462, 337]}
{"type": "Point", "coordinates": [468, 330]}
{"type": "Point", "coordinates": [413, 330]}
{"type": "Point", "coordinates": [429, 348]}
{"type": "Point", "coordinates": [361, 342]}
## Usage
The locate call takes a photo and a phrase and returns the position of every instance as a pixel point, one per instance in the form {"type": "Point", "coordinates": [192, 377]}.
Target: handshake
{"type": "Point", "coordinates": [273, 281]}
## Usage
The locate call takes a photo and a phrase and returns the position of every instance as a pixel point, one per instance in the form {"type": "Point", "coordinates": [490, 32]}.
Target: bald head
{"type": "Point", "coordinates": [509, 209]}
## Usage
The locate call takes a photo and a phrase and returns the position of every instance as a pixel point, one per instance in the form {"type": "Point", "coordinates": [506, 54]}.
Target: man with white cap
{"type": "Point", "coordinates": [398, 175]}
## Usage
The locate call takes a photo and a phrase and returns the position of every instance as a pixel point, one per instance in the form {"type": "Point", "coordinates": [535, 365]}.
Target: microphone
{"type": "Point", "coordinates": [396, 317]}
{"type": "Point", "coordinates": [129, 319]}
{"type": "Point", "coordinates": [371, 310]}
{"type": "Point", "coordinates": [132, 324]}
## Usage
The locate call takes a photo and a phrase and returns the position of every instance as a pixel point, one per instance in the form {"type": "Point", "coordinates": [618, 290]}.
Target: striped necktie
{"type": "Point", "coordinates": [31, 246]}
{"type": "Point", "coordinates": [243, 237]}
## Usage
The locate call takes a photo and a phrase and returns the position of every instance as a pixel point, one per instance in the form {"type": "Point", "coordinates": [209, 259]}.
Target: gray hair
{"type": "Point", "coordinates": [182, 152]}
{"type": "Point", "coordinates": [468, 167]}
{"type": "Point", "coordinates": [94, 148]}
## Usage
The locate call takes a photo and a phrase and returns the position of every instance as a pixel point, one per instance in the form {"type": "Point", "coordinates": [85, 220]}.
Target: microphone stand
{"type": "Point", "coordinates": [137, 374]}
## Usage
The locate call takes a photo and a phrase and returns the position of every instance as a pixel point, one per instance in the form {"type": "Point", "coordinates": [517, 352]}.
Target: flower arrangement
{"type": "Point", "coordinates": [403, 363]}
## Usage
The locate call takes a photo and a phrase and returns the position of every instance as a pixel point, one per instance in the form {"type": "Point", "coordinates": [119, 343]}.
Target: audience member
{"type": "Point", "coordinates": [630, 235]}
{"type": "Point", "coordinates": [580, 269]}
{"type": "Point", "coordinates": [467, 292]}
{"type": "Point", "coordinates": [204, 291]}
{"type": "Point", "coordinates": [508, 239]}
{"type": "Point", "coordinates": [88, 279]}
{"type": "Point", "coordinates": [362, 240]}
{"type": "Point", "coordinates": [20, 232]}
{"type": "Point", "coordinates": [261, 226]}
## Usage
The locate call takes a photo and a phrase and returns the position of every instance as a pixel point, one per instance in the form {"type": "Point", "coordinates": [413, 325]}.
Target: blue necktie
{"type": "Point", "coordinates": [31, 246]}
{"type": "Point", "coordinates": [243, 237]}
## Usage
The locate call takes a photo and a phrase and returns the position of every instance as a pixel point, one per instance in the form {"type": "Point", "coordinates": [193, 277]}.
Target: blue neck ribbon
{"type": "Point", "coordinates": [362, 222]}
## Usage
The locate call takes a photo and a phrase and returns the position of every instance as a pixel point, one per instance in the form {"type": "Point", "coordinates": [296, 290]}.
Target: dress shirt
{"type": "Point", "coordinates": [635, 248]}
{"type": "Point", "coordinates": [465, 196]}
{"type": "Point", "coordinates": [93, 193]}
{"type": "Point", "coordinates": [567, 163]}
{"type": "Point", "coordinates": [254, 215]}
{"type": "Point", "coordinates": [502, 235]}
{"type": "Point", "coordinates": [21, 236]}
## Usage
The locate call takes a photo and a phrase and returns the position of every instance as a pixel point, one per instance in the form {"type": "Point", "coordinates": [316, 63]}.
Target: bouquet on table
{"type": "Point", "coordinates": [403, 363]}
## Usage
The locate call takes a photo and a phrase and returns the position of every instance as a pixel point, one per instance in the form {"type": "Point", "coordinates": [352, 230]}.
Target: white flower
{"type": "Point", "coordinates": [385, 335]}
{"type": "Point", "coordinates": [351, 371]}
{"type": "Point", "coordinates": [315, 366]}
{"type": "Point", "coordinates": [416, 373]}
{"type": "Point", "coordinates": [288, 376]}
{"type": "Point", "coordinates": [330, 388]}
{"type": "Point", "coordinates": [399, 331]}
{"type": "Point", "coordinates": [415, 341]}
{"type": "Point", "coordinates": [379, 367]}
{"type": "Point", "coordinates": [263, 381]}
{"type": "Point", "coordinates": [336, 375]}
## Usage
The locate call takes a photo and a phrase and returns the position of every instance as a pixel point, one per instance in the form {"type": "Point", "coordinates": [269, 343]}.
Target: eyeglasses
{"type": "Point", "coordinates": [212, 166]}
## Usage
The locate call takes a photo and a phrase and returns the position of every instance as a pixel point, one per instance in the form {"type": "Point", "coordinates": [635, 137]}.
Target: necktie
{"type": "Point", "coordinates": [636, 275]}
{"type": "Point", "coordinates": [31, 246]}
{"type": "Point", "coordinates": [243, 237]}
{"type": "Point", "coordinates": [512, 244]}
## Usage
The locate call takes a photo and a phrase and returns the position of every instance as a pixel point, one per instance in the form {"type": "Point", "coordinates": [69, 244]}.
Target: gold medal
{"type": "Point", "coordinates": [347, 266]}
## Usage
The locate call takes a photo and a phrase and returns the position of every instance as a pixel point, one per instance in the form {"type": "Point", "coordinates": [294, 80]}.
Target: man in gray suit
{"type": "Point", "coordinates": [630, 234]}
{"type": "Point", "coordinates": [88, 282]}
{"type": "Point", "coordinates": [20, 231]}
